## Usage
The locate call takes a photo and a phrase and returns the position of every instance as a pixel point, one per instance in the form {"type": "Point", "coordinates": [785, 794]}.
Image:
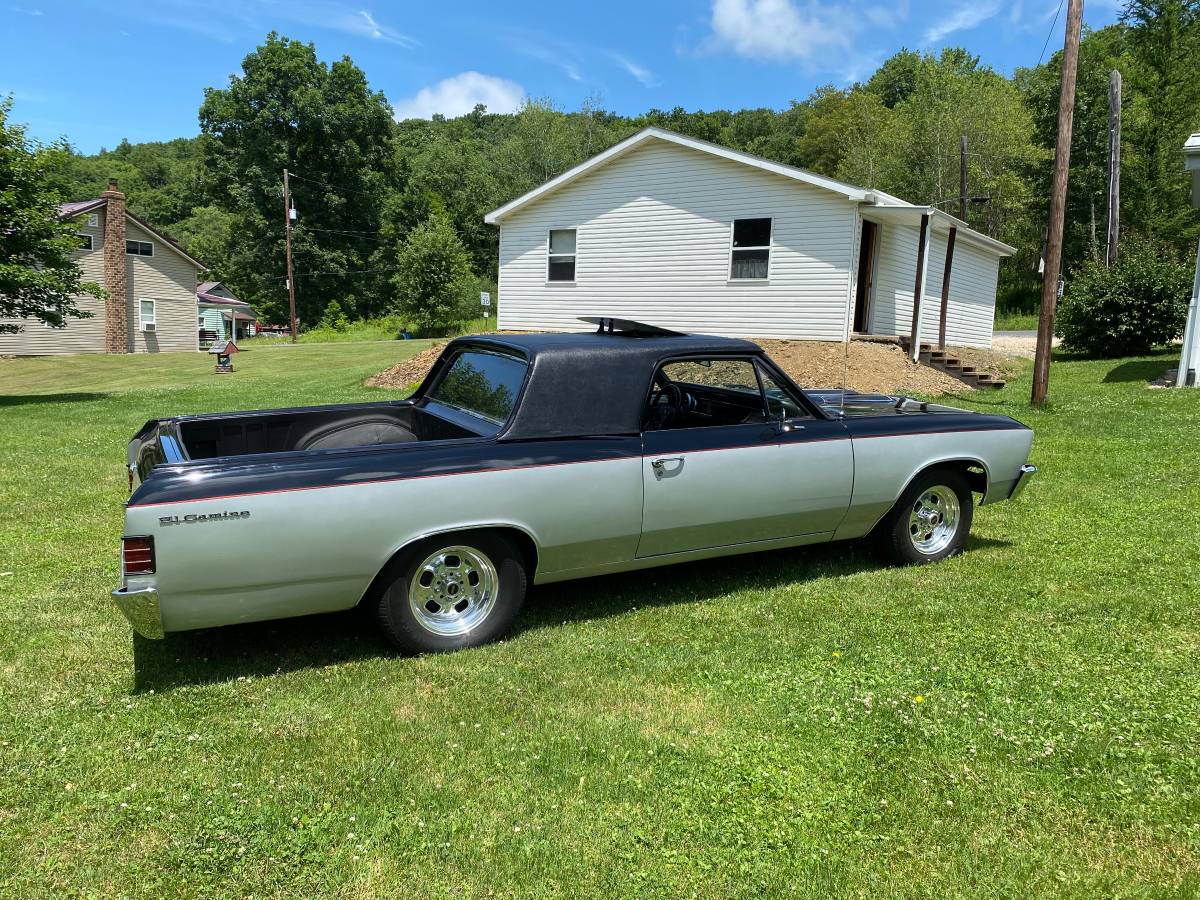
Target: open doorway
{"type": "Point", "coordinates": [866, 276]}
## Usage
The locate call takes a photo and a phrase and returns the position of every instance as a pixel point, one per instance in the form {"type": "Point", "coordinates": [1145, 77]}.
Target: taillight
{"type": "Point", "coordinates": [137, 555]}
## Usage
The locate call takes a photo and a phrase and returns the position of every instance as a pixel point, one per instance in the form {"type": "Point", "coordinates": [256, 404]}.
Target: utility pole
{"type": "Point", "coordinates": [287, 230]}
{"type": "Point", "coordinates": [962, 178]}
{"type": "Point", "coordinates": [1114, 166]}
{"type": "Point", "coordinates": [1058, 198]}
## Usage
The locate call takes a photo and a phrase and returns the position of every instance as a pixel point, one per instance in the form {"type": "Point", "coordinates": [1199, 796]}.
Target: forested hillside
{"type": "Point", "coordinates": [363, 182]}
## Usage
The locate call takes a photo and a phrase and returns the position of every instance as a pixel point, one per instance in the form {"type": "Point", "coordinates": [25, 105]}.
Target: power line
{"type": "Point", "coordinates": [342, 273]}
{"type": "Point", "coordinates": [360, 235]}
{"type": "Point", "coordinates": [332, 187]}
{"type": "Point", "coordinates": [1049, 33]}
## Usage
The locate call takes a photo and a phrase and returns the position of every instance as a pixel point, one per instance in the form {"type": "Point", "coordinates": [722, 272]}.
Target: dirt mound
{"type": "Point", "coordinates": [872, 367]}
{"type": "Point", "coordinates": [408, 373]}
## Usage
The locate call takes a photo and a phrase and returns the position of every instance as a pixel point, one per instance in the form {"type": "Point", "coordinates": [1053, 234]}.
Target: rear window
{"type": "Point", "coordinates": [483, 384]}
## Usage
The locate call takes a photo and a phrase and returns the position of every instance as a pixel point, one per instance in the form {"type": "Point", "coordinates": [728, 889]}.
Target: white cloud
{"type": "Point", "coordinates": [364, 24]}
{"type": "Point", "coordinates": [552, 52]}
{"type": "Point", "coordinates": [641, 73]}
{"type": "Point", "coordinates": [887, 16]}
{"type": "Point", "coordinates": [965, 17]}
{"type": "Point", "coordinates": [779, 29]}
{"type": "Point", "coordinates": [458, 95]}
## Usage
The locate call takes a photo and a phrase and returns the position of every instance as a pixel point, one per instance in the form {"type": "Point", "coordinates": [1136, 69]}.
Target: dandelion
{"type": "Point", "coordinates": [837, 654]}
{"type": "Point", "coordinates": [920, 698]}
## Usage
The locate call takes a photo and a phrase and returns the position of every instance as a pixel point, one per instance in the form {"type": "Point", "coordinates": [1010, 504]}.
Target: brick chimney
{"type": "Point", "coordinates": [116, 308]}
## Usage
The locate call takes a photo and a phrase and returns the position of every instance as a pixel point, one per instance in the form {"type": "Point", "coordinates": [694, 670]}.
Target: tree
{"type": "Point", "coordinates": [1163, 46]}
{"type": "Point", "coordinates": [289, 110]}
{"type": "Point", "coordinates": [896, 79]}
{"type": "Point", "coordinates": [333, 318]}
{"type": "Point", "coordinates": [433, 279]}
{"type": "Point", "coordinates": [1087, 187]}
{"type": "Point", "coordinates": [38, 277]}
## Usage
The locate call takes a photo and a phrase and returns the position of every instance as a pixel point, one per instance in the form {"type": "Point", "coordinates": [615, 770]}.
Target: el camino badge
{"type": "Point", "coordinates": [192, 518]}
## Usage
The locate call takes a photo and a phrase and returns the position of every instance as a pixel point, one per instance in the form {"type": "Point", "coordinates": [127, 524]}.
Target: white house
{"type": "Point", "coordinates": [688, 235]}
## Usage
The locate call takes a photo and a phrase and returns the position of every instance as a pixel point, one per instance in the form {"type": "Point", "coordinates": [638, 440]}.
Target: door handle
{"type": "Point", "coordinates": [660, 464]}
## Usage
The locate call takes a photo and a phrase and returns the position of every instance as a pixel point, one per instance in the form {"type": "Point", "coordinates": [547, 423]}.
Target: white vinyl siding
{"type": "Point", "coordinates": [971, 311]}
{"type": "Point", "coordinates": [973, 277]}
{"type": "Point", "coordinates": [654, 233]}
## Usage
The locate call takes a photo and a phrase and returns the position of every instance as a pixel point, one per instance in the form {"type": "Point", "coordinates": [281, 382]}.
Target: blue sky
{"type": "Point", "coordinates": [446, 56]}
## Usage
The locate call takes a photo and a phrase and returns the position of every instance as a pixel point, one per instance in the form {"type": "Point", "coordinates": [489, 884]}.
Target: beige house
{"type": "Point", "coordinates": [151, 282]}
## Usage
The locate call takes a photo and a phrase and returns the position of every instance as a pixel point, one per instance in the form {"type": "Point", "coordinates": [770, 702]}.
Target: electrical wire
{"type": "Point", "coordinates": [1050, 33]}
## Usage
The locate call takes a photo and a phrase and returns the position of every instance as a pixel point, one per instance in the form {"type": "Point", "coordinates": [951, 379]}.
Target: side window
{"type": "Point", "coordinates": [560, 264]}
{"type": "Point", "coordinates": [700, 393]}
{"type": "Point", "coordinates": [780, 402]}
{"type": "Point", "coordinates": [750, 256]}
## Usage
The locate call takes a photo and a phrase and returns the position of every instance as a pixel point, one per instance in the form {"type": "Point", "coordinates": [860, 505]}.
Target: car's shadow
{"type": "Point", "coordinates": [286, 645]}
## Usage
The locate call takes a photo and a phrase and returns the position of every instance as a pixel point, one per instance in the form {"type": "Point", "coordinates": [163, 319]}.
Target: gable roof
{"type": "Point", "coordinates": [872, 199]}
{"type": "Point", "coordinates": [849, 191]}
{"type": "Point", "coordinates": [79, 207]}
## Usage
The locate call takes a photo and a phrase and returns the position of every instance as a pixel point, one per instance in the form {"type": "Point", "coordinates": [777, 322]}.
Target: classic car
{"type": "Point", "coordinates": [533, 458]}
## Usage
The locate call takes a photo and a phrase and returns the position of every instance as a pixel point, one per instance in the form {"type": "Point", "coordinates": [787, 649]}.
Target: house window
{"type": "Point", "coordinates": [139, 248]}
{"type": "Point", "coordinates": [85, 241]}
{"type": "Point", "coordinates": [93, 220]}
{"type": "Point", "coordinates": [561, 265]}
{"type": "Point", "coordinates": [751, 253]}
{"type": "Point", "coordinates": [146, 314]}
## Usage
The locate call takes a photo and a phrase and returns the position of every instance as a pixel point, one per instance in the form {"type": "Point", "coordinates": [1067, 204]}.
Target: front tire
{"type": "Point", "coordinates": [452, 592]}
{"type": "Point", "coordinates": [930, 521]}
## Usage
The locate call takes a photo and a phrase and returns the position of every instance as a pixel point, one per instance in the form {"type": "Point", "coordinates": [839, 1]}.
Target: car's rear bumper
{"type": "Point", "coordinates": [1027, 472]}
{"type": "Point", "coordinates": [141, 608]}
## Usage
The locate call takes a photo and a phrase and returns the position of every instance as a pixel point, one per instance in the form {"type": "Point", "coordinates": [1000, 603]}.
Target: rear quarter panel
{"type": "Point", "coordinates": [886, 462]}
{"type": "Point", "coordinates": [293, 551]}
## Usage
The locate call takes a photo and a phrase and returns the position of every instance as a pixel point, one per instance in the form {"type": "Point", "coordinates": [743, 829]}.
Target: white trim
{"type": "Point", "coordinates": [93, 220]}
{"type": "Point", "coordinates": [153, 320]}
{"type": "Point", "coordinates": [550, 254]}
{"type": "Point", "coordinates": [646, 134]}
{"type": "Point", "coordinates": [769, 246]}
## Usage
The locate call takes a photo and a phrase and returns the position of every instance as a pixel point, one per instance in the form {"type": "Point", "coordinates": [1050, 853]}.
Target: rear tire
{"type": "Point", "coordinates": [930, 521]}
{"type": "Point", "coordinates": [452, 592]}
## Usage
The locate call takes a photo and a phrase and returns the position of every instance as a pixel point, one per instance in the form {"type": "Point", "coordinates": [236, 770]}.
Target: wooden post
{"type": "Point", "coordinates": [919, 287]}
{"type": "Point", "coordinates": [1114, 166]}
{"type": "Point", "coordinates": [946, 287]}
{"type": "Point", "coordinates": [287, 230]}
{"type": "Point", "coordinates": [962, 178]}
{"type": "Point", "coordinates": [1058, 197]}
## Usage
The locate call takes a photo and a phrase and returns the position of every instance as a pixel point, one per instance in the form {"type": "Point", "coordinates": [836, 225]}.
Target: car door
{"type": "Point", "coordinates": [731, 456]}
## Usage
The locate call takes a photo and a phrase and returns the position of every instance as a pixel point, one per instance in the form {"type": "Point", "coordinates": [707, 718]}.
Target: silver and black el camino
{"type": "Point", "coordinates": [533, 458]}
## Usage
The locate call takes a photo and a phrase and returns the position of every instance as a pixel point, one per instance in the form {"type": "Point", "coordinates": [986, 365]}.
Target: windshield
{"type": "Point", "coordinates": [482, 384]}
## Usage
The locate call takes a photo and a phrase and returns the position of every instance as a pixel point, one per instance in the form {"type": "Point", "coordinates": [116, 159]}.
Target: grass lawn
{"type": "Point", "coordinates": [1016, 321]}
{"type": "Point", "coordinates": [1022, 720]}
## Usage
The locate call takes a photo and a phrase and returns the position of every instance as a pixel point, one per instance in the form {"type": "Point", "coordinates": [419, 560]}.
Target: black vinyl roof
{"type": "Point", "coordinates": [587, 384]}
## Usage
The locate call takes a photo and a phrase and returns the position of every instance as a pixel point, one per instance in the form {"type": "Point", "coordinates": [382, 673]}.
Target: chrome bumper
{"type": "Point", "coordinates": [141, 609]}
{"type": "Point", "coordinates": [1027, 472]}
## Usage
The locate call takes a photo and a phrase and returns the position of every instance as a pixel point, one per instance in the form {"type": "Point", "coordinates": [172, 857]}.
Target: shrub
{"type": "Point", "coordinates": [1138, 304]}
{"type": "Point", "coordinates": [433, 282]}
{"type": "Point", "coordinates": [333, 319]}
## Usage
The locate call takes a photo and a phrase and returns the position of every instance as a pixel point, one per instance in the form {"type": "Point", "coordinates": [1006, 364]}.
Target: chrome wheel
{"type": "Point", "coordinates": [453, 591]}
{"type": "Point", "coordinates": [933, 522]}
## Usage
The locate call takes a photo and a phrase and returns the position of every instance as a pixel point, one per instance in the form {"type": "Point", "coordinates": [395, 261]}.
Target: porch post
{"type": "Point", "coordinates": [919, 286]}
{"type": "Point", "coordinates": [946, 287]}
